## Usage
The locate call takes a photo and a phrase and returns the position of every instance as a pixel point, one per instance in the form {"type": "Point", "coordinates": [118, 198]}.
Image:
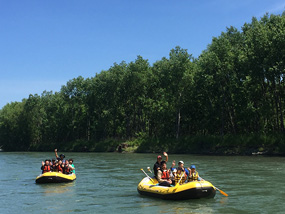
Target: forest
{"type": "Point", "coordinates": [229, 100]}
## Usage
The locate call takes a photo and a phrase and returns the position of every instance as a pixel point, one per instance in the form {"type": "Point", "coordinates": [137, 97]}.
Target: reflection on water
{"type": "Point", "coordinates": [57, 188]}
{"type": "Point", "coordinates": [224, 200]}
{"type": "Point", "coordinates": [186, 207]}
{"type": "Point", "coordinates": [107, 183]}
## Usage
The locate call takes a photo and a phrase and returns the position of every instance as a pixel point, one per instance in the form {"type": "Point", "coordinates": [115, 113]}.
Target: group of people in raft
{"type": "Point", "coordinates": [59, 165]}
{"type": "Point", "coordinates": [172, 176]}
{"type": "Point", "coordinates": [165, 177]}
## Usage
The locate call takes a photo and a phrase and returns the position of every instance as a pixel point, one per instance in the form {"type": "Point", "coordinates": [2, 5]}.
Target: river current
{"type": "Point", "coordinates": [107, 183]}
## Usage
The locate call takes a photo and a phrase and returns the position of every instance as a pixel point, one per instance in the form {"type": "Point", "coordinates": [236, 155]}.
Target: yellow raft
{"type": "Point", "coordinates": [55, 177]}
{"type": "Point", "coordinates": [190, 190]}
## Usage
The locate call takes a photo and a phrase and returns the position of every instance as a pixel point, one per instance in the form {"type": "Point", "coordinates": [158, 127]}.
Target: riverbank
{"type": "Point", "coordinates": [204, 145]}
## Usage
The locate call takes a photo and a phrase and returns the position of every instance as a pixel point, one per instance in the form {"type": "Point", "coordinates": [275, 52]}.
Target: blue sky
{"type": "Point", "coordinates": [44, 44]}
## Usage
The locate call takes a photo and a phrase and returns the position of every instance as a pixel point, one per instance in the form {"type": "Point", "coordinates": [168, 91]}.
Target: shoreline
{"type": "Point", "coordinates": [203, 153]}
{"type": "Point", "coordinates": [230, 145]}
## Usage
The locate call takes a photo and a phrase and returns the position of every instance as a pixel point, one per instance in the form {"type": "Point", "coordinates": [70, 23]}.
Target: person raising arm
{"type": "Point", "coordinates": [60, 157]}
{"type": "Point", "coordinates": [156, 166]}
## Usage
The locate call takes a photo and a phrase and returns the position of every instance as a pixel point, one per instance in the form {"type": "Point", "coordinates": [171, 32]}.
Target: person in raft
{"type": "Point", "coordinates": [67, 168]}
{"type": "Point", "coordinates": [163, 175]}
{"type": "Point", "coordinates": [181, 176]}
{"type": "Point", "coordinates": [46, 166]}
{"type": "Point", "coordinates": [72, 165]}
{"type": "Point", "coordinates": [58, 166]}
{"type": "Point", "coordinates": [157, 166]}
{"type": "Point", "coordinates": [60, 157]}
{"type": "Point", "coordinates": [52, 163]}
{"type": "Point", "coordinates": [181, 165]}
{"type": "Point", "coordinates": [194, 175]}
{"type": "Point", "coordinates": [173, 171]}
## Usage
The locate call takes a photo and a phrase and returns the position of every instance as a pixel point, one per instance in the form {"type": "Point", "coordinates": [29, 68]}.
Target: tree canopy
{"type": "Point", "coordinates": [235, 87]}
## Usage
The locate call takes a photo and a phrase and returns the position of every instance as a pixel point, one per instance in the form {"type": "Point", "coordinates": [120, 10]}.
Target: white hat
{"type": "Point", "coordinates": [180, 162]}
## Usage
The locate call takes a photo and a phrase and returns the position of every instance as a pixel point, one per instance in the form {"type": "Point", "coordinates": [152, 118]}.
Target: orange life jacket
{"type": "Point", "coordinates": [46, 169]}
{"type": "Point", "coordinates": [165, 175]}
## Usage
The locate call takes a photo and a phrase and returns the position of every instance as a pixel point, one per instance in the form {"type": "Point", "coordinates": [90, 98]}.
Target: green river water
{"type": "Point", "coordinates": [107, 183]}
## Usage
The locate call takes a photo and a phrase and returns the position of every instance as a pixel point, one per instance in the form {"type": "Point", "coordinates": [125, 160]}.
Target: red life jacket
{"type": "Point", "coordinates": [46, 169]}
{"type": "Point", "coordinates": [165, 175]}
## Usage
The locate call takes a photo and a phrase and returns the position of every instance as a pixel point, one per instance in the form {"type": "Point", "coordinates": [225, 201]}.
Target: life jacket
{"type": "Point", "coordinates": [66, 169]}
{"type": "Point", "coordinates": [178, 177]}
{"type": "Point", "coordinates": [57, 168]}
{"type": "Point", "coordinates": [165, 175]}
{"type": "Point", "coordinates": [60, 168]}
{"type": "Point", "coordinates": [194, 176]}
{"type": "Point", "coordinates": [46, 169]}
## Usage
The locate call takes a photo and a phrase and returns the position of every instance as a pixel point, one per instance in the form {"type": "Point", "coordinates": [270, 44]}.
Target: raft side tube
{"type": "Point", "coordinates": [194, 193]}
{"type": "Point", "coordinates": [190, 190]}
{"type": "Point", "coordinates": [55, 177]}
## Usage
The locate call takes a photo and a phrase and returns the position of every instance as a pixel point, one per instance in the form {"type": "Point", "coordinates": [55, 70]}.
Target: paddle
{"type": "Point", "coordinates": [148, 168]}
{"type": "Point", "coordinates": [222, 192]}
{"type": "Point", "coordinates": [147, 175]}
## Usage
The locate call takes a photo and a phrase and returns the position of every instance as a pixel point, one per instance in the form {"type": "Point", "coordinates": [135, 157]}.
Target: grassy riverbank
{"type": "Point", "coordinates": [208, 145]}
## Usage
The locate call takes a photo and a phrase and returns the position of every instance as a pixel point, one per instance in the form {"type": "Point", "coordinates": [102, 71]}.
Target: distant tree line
{"type": "Point", "coordinates": [235, 87]}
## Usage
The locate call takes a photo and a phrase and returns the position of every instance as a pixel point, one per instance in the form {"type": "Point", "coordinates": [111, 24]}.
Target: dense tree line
{"type": "Point", "coordinates": [235, 87]}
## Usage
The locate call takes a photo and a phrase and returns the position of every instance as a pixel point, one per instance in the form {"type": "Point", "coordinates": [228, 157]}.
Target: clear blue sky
{"type": "Point", "coordinates": [44, 44]}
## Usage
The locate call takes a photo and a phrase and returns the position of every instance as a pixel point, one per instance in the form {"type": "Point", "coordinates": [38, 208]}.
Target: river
{"type": "Point", "coordinates": [107, 183]}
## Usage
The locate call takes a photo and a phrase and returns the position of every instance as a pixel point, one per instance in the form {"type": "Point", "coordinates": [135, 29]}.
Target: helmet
{"type": "Point", "coordinates": [192, 167]}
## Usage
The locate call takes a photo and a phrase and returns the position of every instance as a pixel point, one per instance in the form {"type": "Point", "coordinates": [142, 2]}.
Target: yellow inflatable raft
{"type": "Point", "coordinates": [190, 190]}
{"type": "Point", "coordinates": [55, 177]}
